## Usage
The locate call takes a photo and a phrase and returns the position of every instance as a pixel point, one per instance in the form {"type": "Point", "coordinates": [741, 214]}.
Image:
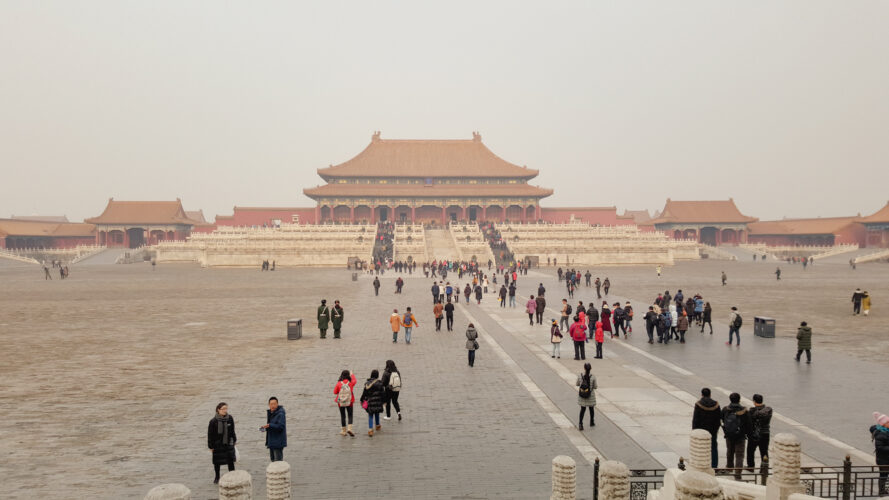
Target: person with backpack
{"type": "Point", "coordinates": [345, 398]}
{"type": "Point", "coordinates": [761, 423]}
{"type": "Point", "coordinates": [438, 312]}
{"type": "Point", "coordinates": [628, 317]}
{"type": "Point", "coordinates": [372, 401]}
{"type": "Point", "coordinates": [409, 322]}
{"type": "Point", "coordinates": [606, 285]}
{"type": "Point", "coordinates": [736, 427]}
{"type": "Point", "coordinates": [578, 334]}
{"type": "Point", "coordinates": [566, 313]}
{"type": "Point", "coordinates": [708, 416]}
{"type": "Point", "coordinates": [275, 430]}
{"type": "Point", "coordinates": [471, 343]}
{"type": "Point", "coordinates": [396, 324]}
{"type": "Point", "coordinates": [600, 339]}
{"type": "Point", "coordinates": [804, 342]}
{"type": "Point", "coordinates": [392, 383]}
{"type": "Point", "coordinates": [663, 327]}
{"type": "Point", "coordinates": [467, 292]}
{"type": "Point", "coordinates": [734, 326]}
{"type": "Point", "coordinates": [586, 394]}
{"type": "Point", "coordinates": [707, 317]}
{"type": "Point", "coordinates": [555, 338]}
{"type": "Point", "coordinates": [879, 433]}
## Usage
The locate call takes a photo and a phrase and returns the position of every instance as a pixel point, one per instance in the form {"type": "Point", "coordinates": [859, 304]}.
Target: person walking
{"type": "Point", "coordinates": [724, 278]}
{"type": "Point", "coordinates": [540, 309]}
{"type": "Point", "coordinates": [409, 322]}
{"type": "Point", "coordinates": [778, 274]}
{"type": "Point", "coordinates": [606, 285]}
{"type": "Point", "coordinates": [376, 286]}
{"type": "Point", "coordinates": [605, 316]}
{"type": "Point", "coordinates": [879, 433]}
{"type": "Point", "coordinates": [471, 343]}
{"type": "Point", "coordinates": [586, 394]}
{"type": "Point", "coordinates": [372, 401]}
{"type": "Point", "coordinates": [857, 295]}
{"type": "Point", "coordinates": [436, 291]}
{"type": "Point", "coordinates": [345, 399]}
{"type": "Point", "coordinates": [512, 295]}
{"type": "Point", "coordinates": [566, 313]}
{"type": "Point", "coordinates": [736, 427]}
{"type": "Point", "coordinates": [275, 430]}
{"type": "Point", "coordinates": [865, 302]}
{"type": "Point", "coordinates": [600, 339]}
{"type": "Point", "coordinates": [478, 294]}
{"type": "Point", "coordinates": [531, 309]}
{"type": "Point", "coordinates": [628, 317]}
{"type": "Point", "coordinates": [396, 324]}
{"type": "Point", "coordinates": [618, 317]}
{"type": "Point", "coordinates": [467, 292]}
{"type": "Point", "coordinates": [555, 338]}
{"type": "Point", "coordinates": [578, 334]}
{"type": "Point", "coordinates": [336, 317]}
{"type": "Point", "coordinates": [392, 383]}
{"type": "Point", "coordinates": [323, 318]}
{"type": "Point", "coordinates": [804, 342]}
{"type": "Point", "coordinates": [734, 326]}
{"type": "Point", "coordinates": [708, 416]}
{"type": "Point", "coordinates": [221, 439]}
{"type": "Point", "coordinates": [502, 295]}
{"type": "Point", "coordinates": [707, 317]}
{"type": "Point", "coordinates": [682, 326]}
{"type": "Point", "coordinates": [438, 311]}
{"type": "Point", "coordinates": [650, 323]}
{"type": "Point", "coordinates": [449, 315]}
{"type": "Point", "coordinates": [598, 287]}
{"type": "Point", "coordinates": [760, 420]}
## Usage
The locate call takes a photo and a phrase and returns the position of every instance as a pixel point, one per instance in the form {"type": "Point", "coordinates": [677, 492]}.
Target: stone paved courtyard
{"type": "Point", "coordinates": [110, 377]}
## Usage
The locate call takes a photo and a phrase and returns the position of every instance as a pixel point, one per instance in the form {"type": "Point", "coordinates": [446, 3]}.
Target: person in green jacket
{"type": "Point", "coordinates": [337, 318]}
{"type": "Point", "coordinates": [323, 318]}
{"type": "Point", "coordinates": [804, 342]}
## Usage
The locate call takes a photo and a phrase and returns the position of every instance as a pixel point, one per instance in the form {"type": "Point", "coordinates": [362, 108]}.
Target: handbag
{"type": "Point", "coordinates": [364, 404]}
{"type": "Point", "coordinates": [237, 454]}
{"type": "Point", "coordinates": [475, 344]}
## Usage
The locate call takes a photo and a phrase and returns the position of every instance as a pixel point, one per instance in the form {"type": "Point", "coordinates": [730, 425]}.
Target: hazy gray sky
{"type": "Point", "coordinates": [783, 105]}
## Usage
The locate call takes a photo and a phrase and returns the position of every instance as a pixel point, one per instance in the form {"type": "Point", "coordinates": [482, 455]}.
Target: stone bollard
{"type": "Point", "coordinates": [614, 481]}
{"type": "Point", "coordinates": [564, 478]}
{"type": "Point", "coordinates": [277, 477]}
{"type": "Point", "coordinates": [236, 485]}
{"type": "Point", "coordinates": [784, 458]}
{"type": "Point", "coordinates": [699, 448]}
{"type": "Point", "coordinates": [169, 492]}
{"type": "Point", "coordinates": [694, 485]}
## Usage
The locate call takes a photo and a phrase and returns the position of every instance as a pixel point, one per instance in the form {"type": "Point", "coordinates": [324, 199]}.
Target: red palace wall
{"type": "Point", "coordinates": [604, 216]}
{"type": "Point", "coordinates": [850, 235]}
{"type": "Point", "coordinates": [246, 216]}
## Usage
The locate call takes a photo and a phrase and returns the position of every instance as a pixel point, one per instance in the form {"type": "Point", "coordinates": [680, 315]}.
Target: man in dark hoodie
{"type": "Point", "coordinates": [276, 430]}
{"type": "Point", "coordinates": [736, 427]}
{"type": "Point", "coordinates": [760, 419]}
{"type": "Point", "coordinates": [707, 416]}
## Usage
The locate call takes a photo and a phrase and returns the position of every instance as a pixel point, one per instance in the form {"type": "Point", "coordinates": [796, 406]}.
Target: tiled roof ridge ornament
{"type": "Point", "coordinates": [476, 137]}
{"type": "Point", "coordinates": [375, 137]}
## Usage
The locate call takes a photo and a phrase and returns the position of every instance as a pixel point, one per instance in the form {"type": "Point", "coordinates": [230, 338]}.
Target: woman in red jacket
{"type": "Point", "coordinates": [600, 339]}
{"type": "Point", "coordinates": [345, 398]}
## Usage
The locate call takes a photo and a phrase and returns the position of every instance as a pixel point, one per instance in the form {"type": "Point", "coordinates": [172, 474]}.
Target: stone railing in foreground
{"type": "Point", "coordinates": [872, 257]}
{"type": "Point", "coordinates": [6, 254]}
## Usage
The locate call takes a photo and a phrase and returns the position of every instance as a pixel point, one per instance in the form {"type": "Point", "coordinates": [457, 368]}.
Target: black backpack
{"type": "Point", "coordinates": [738, 321]}
{"type": "Point", "coordinates": [568, 310]}
{"type": "Point", "coordinates": [732, 425]}
{"type": "Point", "coordinates": [585, 390]}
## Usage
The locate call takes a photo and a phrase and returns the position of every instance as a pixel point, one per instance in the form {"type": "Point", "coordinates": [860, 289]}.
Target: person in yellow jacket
{"type": "Point", "coordinates": [865, 303]}
{"type": "Point", "coordinates": [395, 322]}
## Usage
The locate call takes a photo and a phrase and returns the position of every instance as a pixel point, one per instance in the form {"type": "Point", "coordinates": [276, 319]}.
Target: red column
{"type": "Point", "coordinates": [539, 212]}
{"type": "Point", "coordinates": [318, 213]}
{"type": "Point", "coordinates": [524, 214]}
{"type": "Point", "coordinates": [413, 214]}
{"type": "Point", "coordinates": [444, 216]}
{"type": "Point", "coordinates": [464, 214]}
{"type": "Point", "coordinates": [126, 238]}
{"type": "Point", "coordinates": [373, 214]}
{"type": "Point", "coordinates": [718, 236]}
{"type": "Point", "coordinates": [484, 213]}
{"type": "Point", "coordinates": [352, 215]}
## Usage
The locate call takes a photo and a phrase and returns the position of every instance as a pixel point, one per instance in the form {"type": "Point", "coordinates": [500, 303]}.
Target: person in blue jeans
{"type": "Point", "coordinates": [409, 322]}
{"type": "Point", "coordinates": [731, 327]}
{"type": "Point", "coordinates": [276, 430]}
{"type": "Point", "coordinates": [373, 395]}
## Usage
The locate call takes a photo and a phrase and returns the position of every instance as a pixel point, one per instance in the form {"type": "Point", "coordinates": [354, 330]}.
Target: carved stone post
{"type": "Point", "coordinates": [277, 476]}
{"type": "Point", "coordinates": [784, 460]}
{"type": "Point", "coordinates": [169, 492]}
{"type": "Point", "coordinates": [693, 485]}
{"type": "Point", "coordinates": [614, 481]}
{"type": "Point", "coordinates": [236, 485]}
{"type": "Point", "coordinates": [564, 478]}
{"type": "Point", "coordinates": [699, 447]}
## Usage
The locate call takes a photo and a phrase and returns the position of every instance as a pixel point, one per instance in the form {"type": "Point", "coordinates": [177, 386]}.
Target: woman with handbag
{"type": "Point", "coordinates": [586, 394]}
{"type": "Point", "coordinates": [471, 342]}
{"type": "Point", "coordinates": [372, 401]}
{"type": "Point", "coordinates": [392, 384]}
{"type": "Point", "coordinates": [345, 398]}
{"type": "Point", "coordinates": [221, 439]}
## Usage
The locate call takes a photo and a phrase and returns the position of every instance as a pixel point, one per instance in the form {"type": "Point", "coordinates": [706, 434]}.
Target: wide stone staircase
{"type": "Point", "coordinates": [440, 245]}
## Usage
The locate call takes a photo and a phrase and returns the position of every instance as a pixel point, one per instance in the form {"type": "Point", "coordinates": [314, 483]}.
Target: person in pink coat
{"type": "Point", "coordinates": [531, 309]}
{"type": "Point", "coordinates": [600, 339]}
{"type": "Point", "coordinates": [605, 318]}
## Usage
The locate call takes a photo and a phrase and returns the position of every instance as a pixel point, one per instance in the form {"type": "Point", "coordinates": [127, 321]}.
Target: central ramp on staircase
{"type": "Point", "coordinates": [440, 245]}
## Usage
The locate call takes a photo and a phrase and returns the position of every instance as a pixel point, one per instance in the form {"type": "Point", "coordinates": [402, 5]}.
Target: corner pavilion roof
{"type": "Point", "coordinates": [827, 225]}
{"type": "Point", "coordinates": [882, 215]}
{"type": "Point", "coordinates": [427, 191]}
{"type": "Point", "coordinates": [143, 212]}
{"type": "Point", "coordinates": [426, 158]}
{"type": "Point", "coordinates": [706, 212]}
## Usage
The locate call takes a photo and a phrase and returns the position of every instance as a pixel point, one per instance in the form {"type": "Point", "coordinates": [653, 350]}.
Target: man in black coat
{"type": "Point", "coordinates": [761, 420]}
{"type": "Point", "coordinates": [736, 427]}
{"type": "Point", "coordinates": [707, 416]}
{"type": "Point", "coordinates": [650, 322]}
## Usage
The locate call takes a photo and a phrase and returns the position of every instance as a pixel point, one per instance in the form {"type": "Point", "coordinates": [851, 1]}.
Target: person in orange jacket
{"type": "Point", "coordinates": [396, 323]}
{"type": "Point", "coordinates": [600, 339]}
{"type": "Point", "coordinates": [408, 322]}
